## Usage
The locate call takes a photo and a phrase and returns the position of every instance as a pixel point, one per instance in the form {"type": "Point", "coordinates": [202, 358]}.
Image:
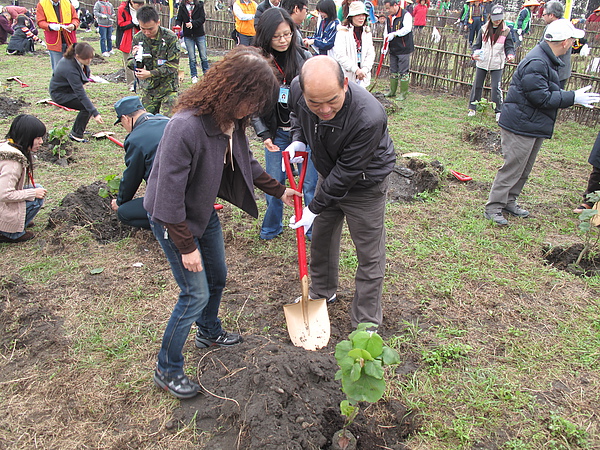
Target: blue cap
{"type": "Point", "coordinates": [127, 105]}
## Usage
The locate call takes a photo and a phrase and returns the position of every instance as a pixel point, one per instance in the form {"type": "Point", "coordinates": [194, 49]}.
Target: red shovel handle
{"type": "Point", "coordinates": [116, 141]}
{"type": "Point", "coordinates": [300, 240]}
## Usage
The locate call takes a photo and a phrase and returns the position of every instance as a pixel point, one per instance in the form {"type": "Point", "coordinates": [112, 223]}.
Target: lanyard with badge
{"type": "Point", "coordinates": [284, 89]}
{"type": "Point", "coordinates": [358, 41]}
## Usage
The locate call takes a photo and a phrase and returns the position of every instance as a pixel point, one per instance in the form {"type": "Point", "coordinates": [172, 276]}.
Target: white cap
{"type": "Point", "coordinates": [562, 29]}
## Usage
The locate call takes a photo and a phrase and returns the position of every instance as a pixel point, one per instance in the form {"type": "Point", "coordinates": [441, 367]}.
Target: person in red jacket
{"type": "Point", "coordinates": [59, 21]}
{"type": "Point", "coordinates": [127, 26]}
{"type": "Point", "coordinates": [420, 14]}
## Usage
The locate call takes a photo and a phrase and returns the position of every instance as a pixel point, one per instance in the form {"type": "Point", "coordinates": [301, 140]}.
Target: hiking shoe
{"type": "Point", "coordinates": [471, 113]}
{"type": "Point", "coordinates": [331, 299]}
{"type": "Point", "coordinates": [179, 385]}
{"type": "Point", "coordinates": [496, 217]}
{"type": "Point", "coordinates": [225, 339]}
{"type": "Point", "coordinates": [77, 139]}
{"type": "Point", "coordinates": [516, 210]}
{"type": "Point", "coordinates": [24, 238]}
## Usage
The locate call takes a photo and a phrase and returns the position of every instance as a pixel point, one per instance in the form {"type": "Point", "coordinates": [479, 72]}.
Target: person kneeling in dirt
{"type": "Point", "coordinates": [346, 129]}
{"type": "Point", "coordinates": [20, 202]}
{"type": "Point", "coordinates": [145, 132]}
{"type": "Point", "coordinates": [204, 152]}
{"type": "Point", "coordinates": [528, 117]}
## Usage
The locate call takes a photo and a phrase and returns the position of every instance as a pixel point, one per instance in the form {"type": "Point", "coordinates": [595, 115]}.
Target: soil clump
{"type": "Point", "coordinates": [10, 106]}
{"type": "Point", "coordinates": [483, 139]}
{"type": "Point", "coordinates": [564, 258]}
{"type": "Point", "coordinates": [406, 181]}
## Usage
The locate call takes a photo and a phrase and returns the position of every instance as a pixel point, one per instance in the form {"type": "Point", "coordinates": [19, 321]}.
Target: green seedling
{"type": "Point", "coordinates": [362, 359]}
{"type": "Point", "coordinates": [483, 105]}
{"type": "Point", "coordinates": [591, 234]}
{"type": "Point", "coordinates": [58, 136]}
{"type": "Point", "coordinates": [437, 358]}
{"type": "Point", "coordinates": [112, 186]}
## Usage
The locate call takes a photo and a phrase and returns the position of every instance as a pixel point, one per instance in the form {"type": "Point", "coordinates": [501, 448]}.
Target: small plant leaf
{"type": "Point", "coordinates": [374, 369]}
{"type": "Point", "coordinates": [97, 270]}
{"type": "Point", "coordinates": [103, 193]}
{"type": "Point", "coordinates": [370, 342]}
{"type": "Point", "coordinates": [359, 353]}
{"type": "Point", "coordinates": [390, 356]}
{"type": "Point", "coordinates": [355, 373]}
{"type": "Point", "coordinates": [366, 389]}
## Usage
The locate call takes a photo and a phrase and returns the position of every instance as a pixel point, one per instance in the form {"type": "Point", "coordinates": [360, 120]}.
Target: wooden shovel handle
{"type": "Point", "coordinates": [300, 240]}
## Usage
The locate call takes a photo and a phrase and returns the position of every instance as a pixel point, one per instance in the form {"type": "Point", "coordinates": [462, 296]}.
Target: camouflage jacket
{"type": "Point", "coordinates": [161, 58]}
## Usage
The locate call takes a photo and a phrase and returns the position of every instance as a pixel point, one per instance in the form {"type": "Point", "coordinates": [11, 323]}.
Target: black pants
{"type": "Point", "coordinates": [82, 118]}
{"type": "Point", "coordinates": [132, 213]}
{"type": "Point", "coordinates": [593, 183]}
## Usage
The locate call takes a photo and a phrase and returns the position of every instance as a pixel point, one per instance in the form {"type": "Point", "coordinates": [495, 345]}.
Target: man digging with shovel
{"type": "Point", "coordinates": [346, 128]}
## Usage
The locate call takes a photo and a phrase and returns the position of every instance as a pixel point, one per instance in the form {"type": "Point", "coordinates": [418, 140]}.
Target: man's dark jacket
{"type": "Point", "coordinates": [352, 151]}
{"type": "Point", "coordinates": [260, 9]}
{"type": "Point", "coordinates": [140, 147]}
{"type": "Point", "coordinates": [198, 18]}
{"type": "Point", "coordinates": [534, 95]}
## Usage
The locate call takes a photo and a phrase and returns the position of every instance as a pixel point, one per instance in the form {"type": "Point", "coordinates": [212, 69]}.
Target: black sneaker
{"type": "Point", "coordinates": [180, 385]}
{"type": "Point", "coordinates": [225, 339]}
{"type": "Point", "coordinates": [77, 139]}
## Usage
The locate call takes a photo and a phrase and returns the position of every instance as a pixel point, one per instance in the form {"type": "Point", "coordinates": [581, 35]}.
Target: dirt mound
{"type": "Point", "coordinates": [10, 106]}
{"type": "Point", "coordinates": [390, 107]}
{"type": "Point", "coordinates": [270, 395]}
{"type": "Point", "coordinates": [115, 77]}
{"type": "Point", "coordinates": [483, 138]}
{"type": "Point", "coordinates": [85, 208]}
{"type": "Point", "coordinates": [564, 258]}
{"type": "Point", "coordinates": [414, 178]}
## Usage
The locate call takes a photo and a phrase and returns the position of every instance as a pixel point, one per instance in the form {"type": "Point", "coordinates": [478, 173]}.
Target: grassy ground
{"type": "Point", "coordinates": [499, 350]}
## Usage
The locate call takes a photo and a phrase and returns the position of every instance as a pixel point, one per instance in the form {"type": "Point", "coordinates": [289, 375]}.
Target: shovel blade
{"type": "Point", "coordinates": [308, 323]}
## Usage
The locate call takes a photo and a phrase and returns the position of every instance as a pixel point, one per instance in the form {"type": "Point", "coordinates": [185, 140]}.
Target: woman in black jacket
{"type": "Point", "coordinates": [274, 36]}
{"type": "Point", "coordinates": [191, 18]}
{"type": "Point", "coordinates": [66, 87]}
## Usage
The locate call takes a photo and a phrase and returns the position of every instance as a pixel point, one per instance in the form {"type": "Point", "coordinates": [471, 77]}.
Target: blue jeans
{"type": "Point", "coordinates": [105, 39]}
{"type": "Point", "coordinates": [31, 209]}
{"type": "Point", "coordinates": [191, 43]}
{"type": "Point", "coordinates": [199, 296]}
{"type": "Point", "coordinates": [55, 57]}
{"type": "Point", "coordinates": [273, 221]}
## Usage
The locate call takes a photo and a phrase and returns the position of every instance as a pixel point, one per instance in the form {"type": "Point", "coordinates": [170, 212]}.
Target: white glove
{"type": "Point", "coordinates": [519, 31]}
{"type": "Point", "coordinates": [585, 50]}
{"type": "Point", "coordinates": [295, 146]}
{"type": "Point", "coordinates": [308, 217]}
{"type": "Point", "coordinates": [585, 99]}
{"type": "Point", "coordinates": [390, 37]}
{"type": "Point", "coordinates": [54, 26]}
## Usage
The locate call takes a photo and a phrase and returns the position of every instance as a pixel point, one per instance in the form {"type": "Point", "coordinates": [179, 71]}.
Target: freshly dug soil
{"type": "Point", "coordinates": [414, 178]}
{"type": "Point", "coordinates": [483, 138]}
{"type": "Point", "coordinates": [10, 106]}
{"type": "Point", "coordinates": [85, 208]}
{"type": "Point", "coordinates": [564, 258]}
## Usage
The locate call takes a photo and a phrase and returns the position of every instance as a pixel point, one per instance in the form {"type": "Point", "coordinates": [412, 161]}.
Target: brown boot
{"type": "Point", "coordinates": [27, 236]}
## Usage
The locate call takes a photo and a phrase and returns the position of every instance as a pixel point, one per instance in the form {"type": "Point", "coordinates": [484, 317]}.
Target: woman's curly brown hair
{"type": "Point", "coordinates": [243, 78]}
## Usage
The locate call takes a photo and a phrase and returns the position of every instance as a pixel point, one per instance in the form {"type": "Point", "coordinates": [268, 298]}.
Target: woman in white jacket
{"type": "Point", "coordinates": [353, 47]}
{"type": "Point", "coordinates": [492, 48]}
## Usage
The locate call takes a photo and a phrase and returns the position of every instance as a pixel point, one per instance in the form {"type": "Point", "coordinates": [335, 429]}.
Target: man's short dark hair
{"type": "Point", "coordinates": [390, 2]}
{"type": "Point", "coordinates": [340, 77]}
{"type": "Point", "coordinates": [289, 5]}
{"type": "Point", "coordinates": [555, 8]}
{"type": "Point", "coordinates": [147, 14]}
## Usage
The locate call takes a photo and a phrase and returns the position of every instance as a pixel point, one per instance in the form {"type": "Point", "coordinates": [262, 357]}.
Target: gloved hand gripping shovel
{"type": "Point", "coordinates": [307, 320]}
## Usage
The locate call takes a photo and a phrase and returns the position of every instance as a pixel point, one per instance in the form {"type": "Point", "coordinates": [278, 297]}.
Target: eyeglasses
{"type": "Point", "coordinates": [285, 36]}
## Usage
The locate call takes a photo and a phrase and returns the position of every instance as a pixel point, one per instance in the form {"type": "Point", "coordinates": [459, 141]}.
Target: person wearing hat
{"type": "Point", "coordinates": [473, 18]}
{"type": "Point", "coordinates": [528, 117]}
{"type": "Point", "coordinates": [492, 48]}
{"type": "Point", "coordinates": [594, 16]}
{"type": "Point", "coordinates": [353, 47]}
{"type": "Point", "coordinates": [127, 27]}
{"type": "Point", "coordinates": [524, 20]}
{"type": "Point", "coordinates": [399, 35]}
{"type": "Point", "coordinates": [552, 11]}
{"type": "Point", "coordinates": [420, 14]}
{"type": "Point", "coordinates": [145, 132]}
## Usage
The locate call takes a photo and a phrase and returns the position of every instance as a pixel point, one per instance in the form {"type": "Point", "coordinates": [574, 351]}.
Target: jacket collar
{"type": "Point", "coordinates": [8, 152]}
{"type": "Point", "coordinates": [553, 58]}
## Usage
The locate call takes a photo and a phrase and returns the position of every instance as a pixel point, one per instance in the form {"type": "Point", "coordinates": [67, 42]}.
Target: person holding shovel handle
{"type": "Point", "coordinates": [204, 153]}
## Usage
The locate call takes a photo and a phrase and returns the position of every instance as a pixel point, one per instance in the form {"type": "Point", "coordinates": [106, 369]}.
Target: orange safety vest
{"type": "Point", "coordinates": [246, 27]}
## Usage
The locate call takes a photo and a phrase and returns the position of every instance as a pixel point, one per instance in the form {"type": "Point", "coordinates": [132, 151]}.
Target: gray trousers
{"type": "Point", "coordinates": [364, 210]}
{"type": "Point", "coordinates": [519, 154]}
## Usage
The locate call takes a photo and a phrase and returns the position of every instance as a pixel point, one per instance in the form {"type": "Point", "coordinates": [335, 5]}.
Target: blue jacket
{"type": "Point", "coordinates": [140, 147]}
{"type": "Point", "coordinates": [325, 35]}
{"type": "Point", "coordinates": [534, 95]}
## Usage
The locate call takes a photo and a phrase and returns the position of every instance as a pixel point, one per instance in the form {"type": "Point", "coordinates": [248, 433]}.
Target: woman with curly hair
{"type": "Point", "coordinates": [20, 197]}
{"type": "Point", "coordinates": [204, 153]}
{"type": "Point", "coordinates": [274, 36]}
